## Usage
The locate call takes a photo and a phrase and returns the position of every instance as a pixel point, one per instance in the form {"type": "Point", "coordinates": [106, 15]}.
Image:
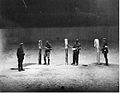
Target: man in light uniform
{"type": "Point", "coordinates": [66, 50]}
{"type": "Point", "coordinates": [40, 51]}
{"type": "Point", "coordinates": [97, 46]}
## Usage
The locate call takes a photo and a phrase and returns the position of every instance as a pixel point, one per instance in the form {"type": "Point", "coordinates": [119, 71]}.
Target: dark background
{"type": "Point", "coordinates": [55, 20]}
{"type": "Point", "coordinates": [58, 13]}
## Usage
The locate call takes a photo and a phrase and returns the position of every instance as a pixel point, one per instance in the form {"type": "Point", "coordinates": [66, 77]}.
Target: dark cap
{"type": "Point", "coordinates": [20, 44]}
{"type": "Point", "coordinates": [104, 38]}
{"type": "Point", "coordinates": [77, 39]}
{"type": "Point", "coordinates": [47, 41]}
{"type": "Point", "coordinates": [39, 40]}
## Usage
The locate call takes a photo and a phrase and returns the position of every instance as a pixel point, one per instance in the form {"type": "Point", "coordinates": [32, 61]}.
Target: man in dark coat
{"type": "Point", "coordinates": [105, 50]}
{"type": "Point", "coordinates": [20, 56]}
{"type": "Point", "coordinates": [48, 48]}
{"type": "Point", "coordinates": [76, 48]}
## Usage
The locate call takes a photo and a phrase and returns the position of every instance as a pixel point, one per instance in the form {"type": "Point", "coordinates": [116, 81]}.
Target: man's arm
{"type": "Point", "coordinates": [18, 52]}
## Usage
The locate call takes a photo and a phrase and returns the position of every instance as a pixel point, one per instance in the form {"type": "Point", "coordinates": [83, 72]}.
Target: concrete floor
{"type": "Point", "coordinates": [87, 76]}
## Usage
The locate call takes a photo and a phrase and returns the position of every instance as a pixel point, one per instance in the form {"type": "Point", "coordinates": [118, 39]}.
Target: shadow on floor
{"type": "Point", "coordinates": [28, 64]}
{"type": "Point", "coordinates": [13, 68]}
{"type": "Point", "coordinates": [24, 65]}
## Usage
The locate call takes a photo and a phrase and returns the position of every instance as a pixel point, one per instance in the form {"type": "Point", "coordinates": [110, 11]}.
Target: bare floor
{"type": "Point", "coordinates": [87, 76]}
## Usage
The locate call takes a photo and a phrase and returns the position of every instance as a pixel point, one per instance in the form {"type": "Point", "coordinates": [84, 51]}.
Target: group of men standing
{"type": "Point", "coordinates": [76, 49]}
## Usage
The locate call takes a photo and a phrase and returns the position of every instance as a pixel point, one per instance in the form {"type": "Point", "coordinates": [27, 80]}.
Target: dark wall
{"type": "Point", "coordinates": [60, 13]}
{"type": "Point", "coordinates": [32, 35]}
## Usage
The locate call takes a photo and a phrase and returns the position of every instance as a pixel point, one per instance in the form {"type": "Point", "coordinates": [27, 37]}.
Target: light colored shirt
{"type": "Point", "coordinates": [66, 43]}
{"type": "Point", "coordinates": [96, 44]}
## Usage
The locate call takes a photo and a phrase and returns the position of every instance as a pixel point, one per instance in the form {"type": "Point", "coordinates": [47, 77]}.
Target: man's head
{"type": "Point", "coordinates": [21, 44]}
{"type": "Point", "coordinates": [47, 42]}
{"type": "Point", "coordinates": [104, 39]}
{"type": "Point", "coordinates": [77, 40]}
{"type": "Point", "coordinates": [39, 41]}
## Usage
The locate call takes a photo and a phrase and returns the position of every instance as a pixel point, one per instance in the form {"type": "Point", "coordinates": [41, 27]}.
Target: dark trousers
{"type": "Point", "coordinates": [66, 56]}
{"type": "Point", "coordinates": [20, 64]}
{"type": "Point", "coordinates": [106, 59]}
{"type": "Point", "coordinates": [47, 54]}
{"type": "Point", "coordinates": [75, 57]}
{"type": "Point", "coordinates": [40, 54]}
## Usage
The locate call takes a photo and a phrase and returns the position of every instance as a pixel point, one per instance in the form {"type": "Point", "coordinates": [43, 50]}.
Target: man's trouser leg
{"type": "Point", "coordinates": [106, 59]}
{"type": "Point", "coordinates": [19, 65]}
{"type": "Point", "coordinates": [48, 56]}
{"type": "Point", "coordinates": [45, 58]}
{"type": "Point", "coordinates": [73, 58]}
{"type": "Point", "coordinates": [40, 56]}
{"type": "Point", "coordinates": [48, 61]}
{"type": "Point", "coordinates": [77, 57]}
{"type": "Point", "coordinates": [98, 57]}
{"type": "Point", "coordinates": [66, 56]}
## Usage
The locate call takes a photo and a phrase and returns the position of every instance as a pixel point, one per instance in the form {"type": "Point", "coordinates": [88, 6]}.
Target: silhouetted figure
{"type": "Point", "coordinates": [48, 48]}
{"type": "Point", "coordinates": [76, 48]}
{"type": "Point", "coordinates": [20, 56]}
{"type": "Point", "coordinates": [105, 50]}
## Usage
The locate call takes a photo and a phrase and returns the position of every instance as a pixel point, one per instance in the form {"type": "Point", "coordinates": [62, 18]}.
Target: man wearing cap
{"type": "Point", "coordinates": [76, 48]}
{"type": "Point", "coordinates": [20, 56]}
{"type": "Point", "coordinates": [105, 50]}
{"type": "Point", "coordinates": [48, 48]}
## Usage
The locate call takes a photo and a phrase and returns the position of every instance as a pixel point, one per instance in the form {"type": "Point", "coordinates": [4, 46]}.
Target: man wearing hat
{"type": "Point", "coordinates": [20, 56]}
{"type": "Point", "coordinates": [105, 50]}
{"type": "Point", "coordinates": [48, 48]}
{"type": "Point", "coordinates": [76, 48]}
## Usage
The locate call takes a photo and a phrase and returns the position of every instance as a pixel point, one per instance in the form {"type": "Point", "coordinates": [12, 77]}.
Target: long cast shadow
{"type": "Point", "coordinates": [28, 64]}
{"type": "Point", "coordinates": [24, 65]}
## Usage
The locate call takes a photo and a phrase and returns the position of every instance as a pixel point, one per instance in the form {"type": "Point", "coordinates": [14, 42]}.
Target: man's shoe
{"type": "Point", "coordinates": [22, 69]}
{"type": "Point", "coordinates": [72, 64]}
{"type": "Point", "coordinates": [76, 64]}
{"type": "Point", "coordinates": [48, 64]}
{"type": "Point", "coordinates": [44, 64]}
{"type": "Point", "coordinates": [106, 64]}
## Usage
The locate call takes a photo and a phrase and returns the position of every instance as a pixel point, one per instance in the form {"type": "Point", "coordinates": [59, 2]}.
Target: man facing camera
{"type": "Point", "coordinates": [20, 56]}
{"type": "Point", "coordinates": [76, 48]}
{"type": "Point", "coordinates": [48, 48]}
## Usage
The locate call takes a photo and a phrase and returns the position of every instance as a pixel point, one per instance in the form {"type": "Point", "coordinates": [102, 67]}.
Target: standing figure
{"type": "Point", "coordinates": [76, 48]}
{"type": "Point", "coordinates": [105, 50]}
{"type": "Point", "coordinates": [48, 48]}
{"type": "Point", "coordinates": [20, 56]}
{"type": "Point", "coordinates": [97, 47]}
{"type": "Point", "coordinates": [66, 51]}
{"type": "Point", "coordinates": [40, 51]}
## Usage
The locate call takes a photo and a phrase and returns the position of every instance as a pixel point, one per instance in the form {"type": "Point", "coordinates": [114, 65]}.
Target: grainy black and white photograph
{"type": "Point", "coordinates": [59, 45]}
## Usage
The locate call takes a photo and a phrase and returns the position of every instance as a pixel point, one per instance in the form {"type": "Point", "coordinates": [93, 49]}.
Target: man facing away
{"type": "Point", "coordinates": [20, 56]}
{"type": "Point", "coordinates": [48, 48]}
{"type": "Point", "coordinates": [76, 48]}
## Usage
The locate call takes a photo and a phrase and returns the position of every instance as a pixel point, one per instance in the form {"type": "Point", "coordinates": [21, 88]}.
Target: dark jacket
{"type": "Point", "coordinates": [77, 47]}
{"type": "Point", "coordinates": [20, 52]}
{"type": "Point", "coordinates": [104, 50]}
{"type": "Point", "coordinates": [48, 47]}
